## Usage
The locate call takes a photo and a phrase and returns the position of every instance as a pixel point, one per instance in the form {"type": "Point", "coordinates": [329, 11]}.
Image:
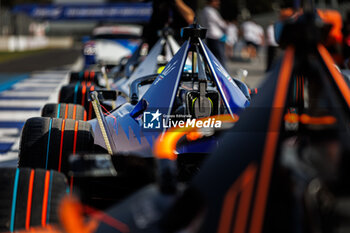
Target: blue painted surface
{"type": "Point", "coordinates": [8, 80]}
{"type": "Point", "coordinates": [5, 146]}
{"type": "Point", "coordinates": [10, 108]}
{"type": "Point", "coordinates": [89, 60]}
{"type": "Point", "coordinates": [11, 124]}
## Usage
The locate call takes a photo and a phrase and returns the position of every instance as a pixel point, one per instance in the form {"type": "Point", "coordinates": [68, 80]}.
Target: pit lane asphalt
{"type": "Point", "coordinates": [256, 68]}
{"type": "Point", "coordinates": [52, 59]}
{"type": "Point", "coordinates": [44, 60]}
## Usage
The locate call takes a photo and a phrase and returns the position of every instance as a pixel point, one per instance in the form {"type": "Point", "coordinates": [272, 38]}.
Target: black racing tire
{"type": "Point", "coordinates": [78, 94]}
{"type": "Point", "coordinates": [86, 75]}
{"type": "Point", "coordinates": [65, 111]}
{"type": "Point", "coordinates": [29, 197]}
{"type": "Point", "coordinates": [48, 142]}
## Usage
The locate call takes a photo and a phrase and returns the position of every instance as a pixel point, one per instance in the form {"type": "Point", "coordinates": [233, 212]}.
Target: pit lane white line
{"type": "Point", "coordinates": [22, 103]}
{"type": "Point", "coordinates": [41, 81]}
{"type": "Point", "coordinates": [8, 132]}
{"type": "Point", "coordinates": [42, 85]}
{"type": "Point", "coordinates": [49, 79]}
{"type": "Point", "coordinates": [10, 160]}
{"type": "Point", "coordinates": [8, 139]}
{"type": "Point", "coordinates": [26, 93]}
{"type": "Point", "coordinates": [50, 73]}
{"type": "Point", "coordinates": [46, 78]}
{"type": "Point", "coordinates": [19, 116]}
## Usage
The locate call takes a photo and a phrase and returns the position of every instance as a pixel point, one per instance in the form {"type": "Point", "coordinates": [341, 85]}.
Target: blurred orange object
{"type": "Point", "coordinates": [334, 18]}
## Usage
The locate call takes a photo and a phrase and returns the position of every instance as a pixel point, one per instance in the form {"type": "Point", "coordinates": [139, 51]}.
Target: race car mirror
{"type": "Point", "coordinates": [134, 87]}
{"type": "Point", "coordinates": [244, 88]}
{"type": "Point", "coordinates": [140, 107]}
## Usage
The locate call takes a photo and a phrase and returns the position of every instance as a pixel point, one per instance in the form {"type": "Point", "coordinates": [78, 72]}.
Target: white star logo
{"type": "Point", "coordinates": [156, 115]}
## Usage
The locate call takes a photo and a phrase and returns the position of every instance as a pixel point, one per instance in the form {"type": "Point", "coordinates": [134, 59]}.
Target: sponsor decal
{"type": "Point", "coordinates": [224, 72]}
{"type": "Point", "coordinates": [165, 72]}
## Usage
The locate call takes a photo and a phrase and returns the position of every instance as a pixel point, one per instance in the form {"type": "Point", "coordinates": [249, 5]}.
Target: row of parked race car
{"type": "Point", "coordinates": [275, 162]}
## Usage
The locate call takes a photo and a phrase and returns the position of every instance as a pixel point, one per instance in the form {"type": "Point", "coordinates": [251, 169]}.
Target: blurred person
{"type": "Point", "coordinates": [334, 40]}
{"type": "Point", "coordinates": [253, 35]}
{"type": "Point", "coordinates": [175, 14]}
{"type": "Point", "coordinates": [285, 14]}
{"type": "Point", "coordinates": [38, 29]}
{"type": "Point", "coordinates": [232, 38]}
{"type": "Point", "coordinates": [216, 34]}
{"type": "Point", "coordinates": [273, 31]}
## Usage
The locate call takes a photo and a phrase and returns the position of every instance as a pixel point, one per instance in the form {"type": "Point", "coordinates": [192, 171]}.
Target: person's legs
{"type": "Point", "coordinates": [256, 50]}
{"type": "Point", "coordinates": [271, 53]}
{"type": "Point", "coordinates": [218, 49]}
{"type": "Point", "coordinates": [248, 47]}
{"type": "Point", "coordinates": [212, 45]}
{"type": "Point", "coordinates": [221, 57]}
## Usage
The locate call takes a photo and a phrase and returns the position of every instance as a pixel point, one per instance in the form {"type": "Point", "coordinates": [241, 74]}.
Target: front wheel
{"type": "Point", "coordinates": [47, 142]}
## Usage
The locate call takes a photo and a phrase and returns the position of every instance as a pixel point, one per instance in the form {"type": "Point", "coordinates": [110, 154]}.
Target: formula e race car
{"type": "Point", "coordinates": [204, 91]}
{"type": "Point", "coordinates": [109, 44]}
{"type": "Point", "coordinates": [118, 78]}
